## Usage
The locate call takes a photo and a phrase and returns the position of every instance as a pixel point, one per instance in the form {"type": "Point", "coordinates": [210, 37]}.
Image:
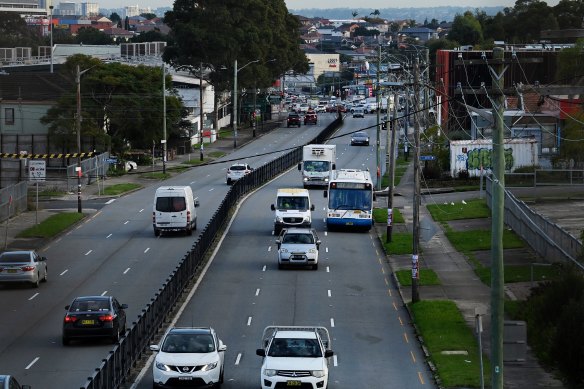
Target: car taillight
{"type": "Point", "coordinates": [188, 216]}
{"type": "Point", "coordinates": [106, 318]}
{"type": "Point", "coordinates": [70, 319]}
{"type": "Point", "coordinates": [27, 268]}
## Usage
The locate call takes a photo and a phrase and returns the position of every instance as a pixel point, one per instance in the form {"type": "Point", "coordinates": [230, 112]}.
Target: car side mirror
{"type": "Point", "coordinates": [325, 194]}
{"type": "Point", "coordinates": [300, 166]}
{"type": "Point", "coordinates": [154, 347]}
{"type": "Point", "coordinates": [334, 166]}
{"type": "Point", "coordinates": [196, 202]}
{"type": "Point", "coordinates": [328, 353]}
{"type": "Point", "coordinates": [43, 258]}
{"type": "Point", "coordinates": [221, 347]}
{"type": "Point", "coordinates": [67, 307]}
{"type": "Point", "coordinates": [272, 207]}
{"type": "Point", "coordinates": [278, 243]}
{"type": "Point", "coordinates": [261, 352]}
{"type": "Point", "coordinates": [312, 207]}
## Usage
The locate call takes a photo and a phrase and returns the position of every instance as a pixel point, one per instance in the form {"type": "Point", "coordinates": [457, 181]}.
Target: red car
{"type": "Point", "coordinates": [310, 118]}
{"type": "Point", "coordinates": [293, 120]}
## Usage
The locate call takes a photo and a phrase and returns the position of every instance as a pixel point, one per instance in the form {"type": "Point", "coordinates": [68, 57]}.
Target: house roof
{"type": "Point", "coordinates": [35, 86]}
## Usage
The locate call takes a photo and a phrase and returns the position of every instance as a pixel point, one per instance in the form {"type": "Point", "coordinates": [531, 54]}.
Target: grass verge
{"type": "Point", "coordinates": [380, 215]}
{"type": "Point", "coordinates": [401, 243]}
{"type": "Point", "coordinates": [475, 240]}
{"type": "Point", "coordinates": [427, 277]}
{"type": "Point", "coordinates": [473, 209]}
{"type": "Point", "coordinates": [443, 329]}
{"type": "Point", "coordinates": [117, 189]}
{"type": "Point", "coordinates": [52, 225]}
{"type": "Point", "coordinates": [520, 273]}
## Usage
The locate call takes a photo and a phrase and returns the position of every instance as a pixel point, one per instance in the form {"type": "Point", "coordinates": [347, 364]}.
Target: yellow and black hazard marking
{"type": "Point", "coordinates": [45, 156]}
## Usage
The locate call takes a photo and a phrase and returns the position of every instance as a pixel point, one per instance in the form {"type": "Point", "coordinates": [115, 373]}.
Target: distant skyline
{"type": "Point", "coordinates": [308, 4]}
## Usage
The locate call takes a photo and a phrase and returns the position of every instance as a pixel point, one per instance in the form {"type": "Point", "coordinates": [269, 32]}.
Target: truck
{"type": "Point", "coordinates": [295, 356]}
{"type": "Point", "coordinates": [318, 163]}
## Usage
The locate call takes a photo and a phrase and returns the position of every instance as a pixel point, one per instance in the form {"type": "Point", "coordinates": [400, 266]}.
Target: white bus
{"type": "Point", "coordinates": [350, 199]}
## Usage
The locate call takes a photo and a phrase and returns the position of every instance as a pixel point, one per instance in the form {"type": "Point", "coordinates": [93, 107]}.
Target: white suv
{"type": "Point", "coordinates": [192, 357]}
{"type": "Point", "coordinates": [298, 247]}
{"type": "Point", "coordinates": [237, 171]}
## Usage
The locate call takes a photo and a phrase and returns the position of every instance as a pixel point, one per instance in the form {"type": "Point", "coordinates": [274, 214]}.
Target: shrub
{"type": "Point", "coordinates": [463, 175]}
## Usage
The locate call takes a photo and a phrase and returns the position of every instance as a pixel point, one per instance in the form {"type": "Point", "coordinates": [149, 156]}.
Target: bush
{"type": "Point", "coordinates": [463, 175]}
{"type": "Point", "coordinates": [431, 171]}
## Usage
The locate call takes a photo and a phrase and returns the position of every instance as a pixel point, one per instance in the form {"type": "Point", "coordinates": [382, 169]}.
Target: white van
{"type": "Point", "coordinates": [174, 210]}
{"type": "Point", "coordinates": [292, 209]}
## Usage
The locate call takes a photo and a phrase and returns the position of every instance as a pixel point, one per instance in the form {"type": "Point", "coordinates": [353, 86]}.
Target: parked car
{"type": "Point", "coordinates": [189, 357]}
{"type": "Point", "coordinates": [293, 120]}
{"type": "Point", "coordinates": [9, 382]}
{"type": "Point", "coordinates": [237, 171]}
{"type": "Point", "coordinates": [298, 247]}
{"type": "Point", "coordinates": [310, 118]}
{"type": "Point", "coordinates": [23, 266]}
{"type": "Point", "coordinates": [360, 138]}
{"type": "Point", "coordinates": [94, 317]}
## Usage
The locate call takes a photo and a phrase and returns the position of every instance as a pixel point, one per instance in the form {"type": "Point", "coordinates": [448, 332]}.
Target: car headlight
{"type": "Point", "coordinates": [283, 250]}
{"type": "Point", "coordinates": [326, 180]}
{"type": "Point", "coordinates": [162, 366]}
{"type": "Point", "coordinates": [312, 251]}
{"type": "Point", "coordinates": [306, 218]}
{"type": "Point", "coordinates": [305, 178]}
{"type": "Point", "coordinates": [269, 372]}
{"type": "Point", "coordinates": [279, 219]}
{"type": "Point", "coordinates": [317, 373]}
{"type": "Point", "coordinates": [209, 366]}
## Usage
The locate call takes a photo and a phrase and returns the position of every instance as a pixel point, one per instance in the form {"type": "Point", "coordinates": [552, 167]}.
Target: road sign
{"type": "Point", "coordinates": [37, 170]}
{"type": "Point", "coordinates": [427, 157]}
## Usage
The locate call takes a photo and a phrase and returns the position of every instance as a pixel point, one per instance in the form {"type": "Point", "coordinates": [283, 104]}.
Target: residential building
{"type": "Point", "coordinates": [66, 8]}
{"type": "Point", "coordinates": [23, 7]}
{"type": "Point", "coordinates": [89, 9]}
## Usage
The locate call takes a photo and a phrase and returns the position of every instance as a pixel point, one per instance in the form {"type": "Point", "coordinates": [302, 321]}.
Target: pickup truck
{"type": "Point", "coordinates": [295, 356]}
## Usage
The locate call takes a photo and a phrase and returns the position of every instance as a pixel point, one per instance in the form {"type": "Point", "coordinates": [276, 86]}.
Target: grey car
{"type": "Point", "coordinates": [360, 138]}
{"type": "Point", "coordinates": [9, 382]}
{"type": "Point", "coordinates": [298, 247]}
{"type": "Point", "coordinates": [23, 266]}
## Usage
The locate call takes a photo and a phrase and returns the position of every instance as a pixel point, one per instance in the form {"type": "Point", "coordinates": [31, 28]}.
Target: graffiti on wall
{"type": "Point", "coordinates": [475, 158]}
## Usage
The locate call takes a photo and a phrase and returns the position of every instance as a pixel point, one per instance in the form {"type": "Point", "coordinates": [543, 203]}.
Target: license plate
{"type": "Point", "coordinates": [349, 223]}
{"type": "Point", "coordinates": [185, 378]}
{"type": "Point", "coordinates": [293, 383]}
{"type": "Point", "coordinates": [357, 212]}
{"type": "Point", "coordinates": [87, 322]}
{"type": "Point", "coordinates": [12, 271]}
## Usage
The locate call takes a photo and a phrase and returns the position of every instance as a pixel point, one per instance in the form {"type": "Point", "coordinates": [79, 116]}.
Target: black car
{"type": "Point", "coordinates": [94, 317]}
{"type": "Point", "coordinates": [360, 138]}
{"type": "Point", "coordinates": [9, 382]}
{"type": "Point", "coordinates": [293, 120]}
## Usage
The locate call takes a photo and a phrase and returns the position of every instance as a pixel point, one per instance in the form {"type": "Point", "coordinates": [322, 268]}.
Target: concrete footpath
{"type": "Point", "coordinates": [459, 283]}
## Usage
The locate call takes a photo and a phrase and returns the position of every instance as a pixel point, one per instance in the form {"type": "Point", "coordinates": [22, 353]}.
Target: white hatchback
{"type": "Point", "coordinates": [189, 357]}
{"type": "Point", "coordinates": [237, 171]}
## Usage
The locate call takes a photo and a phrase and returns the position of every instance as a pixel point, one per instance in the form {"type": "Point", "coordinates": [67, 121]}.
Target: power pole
{"type": "Point", "coordinates": [497, 213]}
{"type": "Point", "coordinates": [163, 119]}
{"type": "Point", "coordinates": [202, 111]}
{"type": "Point", "coordinates": [416, 224]}
{"type": "Point", "coordinates": [391, 168]}
{"type": "Point", "coordinates": [78, 168]}
{"type": "Point", "coordinates": [377, 141]}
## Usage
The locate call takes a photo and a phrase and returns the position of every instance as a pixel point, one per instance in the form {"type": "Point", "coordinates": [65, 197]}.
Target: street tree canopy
{"type": "Point", "coordinates": [121, 103]}
{"type": "Point", "coordinates": [217, 33]}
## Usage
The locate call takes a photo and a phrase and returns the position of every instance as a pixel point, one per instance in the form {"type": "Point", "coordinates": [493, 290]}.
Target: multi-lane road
{"type": "Point", "coordinates": [115, 253]}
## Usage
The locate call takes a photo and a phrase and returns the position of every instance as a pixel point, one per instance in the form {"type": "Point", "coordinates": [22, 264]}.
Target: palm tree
{"type": "Point", "coordinates": [375, 13]}
{"type": "Point", "coordinates": [355, 13]}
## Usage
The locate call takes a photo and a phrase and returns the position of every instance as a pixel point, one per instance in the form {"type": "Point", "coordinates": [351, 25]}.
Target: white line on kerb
{"type": "Point", "coordinates": [89, 252]}
{"type": "Point", "coordinates": [237, 359]}
{"type": "Point", "coordinates": [104, 293]}
{"type": "Point", "coordinates": [147, 249]}
{"type": "Point", "coordinates": [110, 201]}
{"type": "Point", "coordinates": [127, 270]}
{"type": "Point", "coordinates": [32, 363]}
{"type": "Point", "coordinates": [64, 271]}
{"type": "Point", "coordinates": [249, 321]}
{"type": "Point", "coordinates": [332, 322]}
{"type": "Point", "coordinates": [33, 296]}
{"type": "Point", "coordinates": [257, 292]}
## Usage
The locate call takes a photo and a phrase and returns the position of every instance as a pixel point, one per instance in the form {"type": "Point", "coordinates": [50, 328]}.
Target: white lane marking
{"type": "Point", "coordinates": [32, 363]}
{"type": "Point", "coordinates": [147, 249]}
{"type": "Point", "coordinates": [329, 293]}
{"type": "Point", "coordinates": [208, 175]}
{"type": "Point", "coordinates": [264, 268]}
{"type": "Point", "coordinates": [33, 296]}
{"type": "Point", "coordinates": [64, 271]}
{"type": "Point", "coordinates": [110, 201]}
{"type": "Point", "coordinates": [108, 236]}
{"type": "Point", "coordinates": [257, 292]}
{"type": "Point", "coordinates": [326, 249]}
{"type": "Point", "coordinates": [324, 208]}
{"type": "Point", "coordinates": [104, 293]}
{"type": "Point", "coordinates": [249, 321]}
{"type": "Point", "coordinates": [269, 248]}
{"type": "Point", "coordinates": [325, 233]}
{"type": "Point", "coordinates": [192, 182]}
{"type": "Point", "coordinates": [89, 252]}
{"type": "Point", "coordinates": [126, 222]}
{"type": "Point", "coordinates": [332, 322]}
{"type": "Point", "coordinates": [335, 362]}
{"type": "Point", "coordinates": [237, 359]}
{"type": "Point", "coordinates": [211, 189]}
{"type": "Point", "coordinates": [140, 211]}
{"type": "Point", "coordinates": [127, 270]}
{"type": "Point", "coordinates": [328, 270]}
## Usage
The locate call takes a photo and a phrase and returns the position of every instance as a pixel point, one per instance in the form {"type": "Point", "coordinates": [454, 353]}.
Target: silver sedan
{"type": "Point", "coordinates": [23, 266]}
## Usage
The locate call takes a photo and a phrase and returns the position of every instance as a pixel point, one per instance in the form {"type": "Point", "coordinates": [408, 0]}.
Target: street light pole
{"type": "Point", "coordinates": [235, 104]}
{"type": "Point", "coordinates": [163, 120]}
{"type": "Point", "coordinates": [51, 34]}
{"type": "Point", "coordinates": [202, 110]}
{"type": "Point", "coordinates": [78, 168]}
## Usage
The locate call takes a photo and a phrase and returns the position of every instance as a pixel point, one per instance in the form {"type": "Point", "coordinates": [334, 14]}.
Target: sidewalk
{"type": "Point", "coordinates": [460, 284]}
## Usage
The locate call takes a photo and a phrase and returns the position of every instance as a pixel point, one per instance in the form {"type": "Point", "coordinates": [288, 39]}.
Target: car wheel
{"type": "Point", "coordinates": [189, 231]}
{"type": "Point", "coordinates": [116, 337]}
{"type": "Point", "coordinates": [65, 341]}
{"type": "Point", "coordinates": [315, 266]}
{"type": "Point", "coordinates": [221, 380]}
{"type": "Point", "coordinates": [45, 278]}
{"type": "Point", "coordinates": [195, 225]}
{"type": "Point", "coordinates": [37, 283]}
{"type": "Point", "coordinates": [229, 181]}
{"type": "Point", "coordinates": [156, 232]}
{"type": "Point", "coordinates": [280, 266]}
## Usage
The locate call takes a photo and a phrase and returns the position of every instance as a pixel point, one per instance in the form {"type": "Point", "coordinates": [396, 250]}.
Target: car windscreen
{"type": "Point", "coordinates": [298, 238]}
{"type": "Point", "coordinates": [300, 348]}
{"type": "Point", "coordinates": [237, 167]}
{"type": "Point", "coordinates": [316, 166]}
{"type": "Point", "coordinates": [170, 204]}
{"type": "Point", "coordinates": [188, 343]}
{"type": "Point", "coordinates": [297, 203]}
{"type": "Point", "coordinates": [14, 257]}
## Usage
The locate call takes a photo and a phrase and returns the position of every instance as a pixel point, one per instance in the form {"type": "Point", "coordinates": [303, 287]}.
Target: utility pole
{"type": "Point", "coordinates": [377, 141]}
{"type": "Point", "coordinates": [391, 166]}
{"type": "Point", "coordinates": [202, 110]}
{"type": "Point", "coordinates": [78, 168]}
{"type": "Point", "coordinates": [163, 141]}
{"type": "Point", "coordinates": [51, 33]}
{"type": "Point", "coordinates": [497, 213]}
{"type": "Point", "coordinates": [235, 104]}
{"type": "Point", "coordinates": [416, 224]}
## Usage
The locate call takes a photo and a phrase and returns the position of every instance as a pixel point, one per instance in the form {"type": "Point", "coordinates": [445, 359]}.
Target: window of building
{"type": "Point", "coordinates": [8, 115]}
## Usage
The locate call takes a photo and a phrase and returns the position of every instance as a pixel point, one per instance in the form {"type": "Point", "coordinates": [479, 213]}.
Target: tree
{"type": "Point", "coordinates": [151, 36]}
{"type": "Point", "coordinates": [354, 13]}
{"type": "Point", "coordinates": [148, 16]}
{"type": "Point", "coordinates": [15, 32]}
{"type": "Point", "coordinates": [569, 69]}
{"type": "Point", "coordinates": [92, 36]}
{"type": "Point", "coordinates": [115, 18]}
{"type": "Point", "coordinates": [466, 30]}
{"type": "Point", "coordinates": [120, 102]}
{"type": "Point", "coordinates": [362, 31]}
{"type": "Point", "coordinates": [569, 14]}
